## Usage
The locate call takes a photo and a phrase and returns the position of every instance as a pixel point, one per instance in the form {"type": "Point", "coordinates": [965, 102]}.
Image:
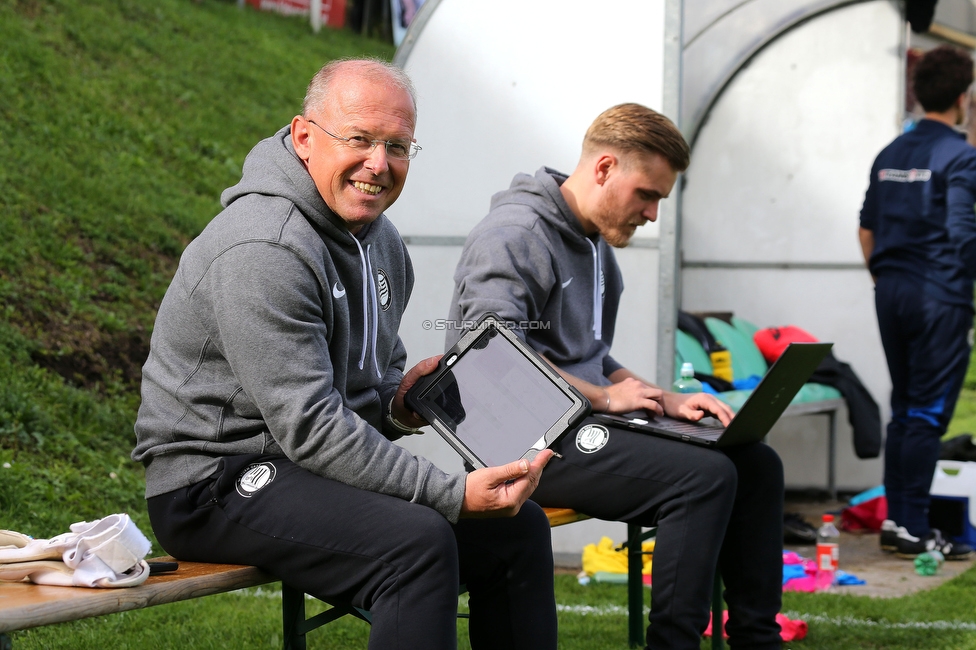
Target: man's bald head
{"type": "Point", "coordinates": [373, 70]}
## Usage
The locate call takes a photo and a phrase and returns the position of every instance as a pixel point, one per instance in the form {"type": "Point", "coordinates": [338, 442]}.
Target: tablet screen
{"type": "Point", "coordinates": [496, 400]}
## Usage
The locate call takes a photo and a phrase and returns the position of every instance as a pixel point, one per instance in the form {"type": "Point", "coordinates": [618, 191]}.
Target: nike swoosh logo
{"type": "Point", "coordinates": [337, 292]}
{"type": "Point", "coordinates": [566, 283]}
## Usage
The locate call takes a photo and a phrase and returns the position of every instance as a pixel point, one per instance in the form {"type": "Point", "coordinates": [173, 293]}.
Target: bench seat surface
{"type": "Point", "coordinates": [24, 605]}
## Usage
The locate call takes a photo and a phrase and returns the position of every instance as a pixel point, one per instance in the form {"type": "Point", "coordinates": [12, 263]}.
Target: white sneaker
{"type": "Point", "coordinates": [889, 535]}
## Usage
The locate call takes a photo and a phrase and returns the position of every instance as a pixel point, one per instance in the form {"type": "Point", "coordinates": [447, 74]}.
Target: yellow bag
{"type": "Point", "coordinates": [605, 557]}
{"type": "Point", "coordinates": [721, 364]}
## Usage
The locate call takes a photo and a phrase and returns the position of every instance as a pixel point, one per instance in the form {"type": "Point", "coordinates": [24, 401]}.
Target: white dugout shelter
{"type": "Point", "coordinates": [785, 103]}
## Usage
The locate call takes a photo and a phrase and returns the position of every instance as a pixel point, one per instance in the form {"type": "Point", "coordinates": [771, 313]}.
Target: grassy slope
{"type": "Point", "coordinates": [120, 123]}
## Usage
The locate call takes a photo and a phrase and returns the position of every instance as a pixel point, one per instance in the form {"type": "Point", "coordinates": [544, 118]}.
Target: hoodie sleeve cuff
{"type": "Point", "coordinates": [610, 365]}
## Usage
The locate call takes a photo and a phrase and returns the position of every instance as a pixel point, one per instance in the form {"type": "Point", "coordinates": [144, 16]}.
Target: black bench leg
{"type": "Point", "coordinates": [5, 642]}
{"type": "Point", "coordinates": [832, 454]}
{"type": "Point", "coordinates": [635, 587]}
{"type": "Point", "coordinates": [718, 607]}
{"type": "Point", "coordinates": [293, 618]}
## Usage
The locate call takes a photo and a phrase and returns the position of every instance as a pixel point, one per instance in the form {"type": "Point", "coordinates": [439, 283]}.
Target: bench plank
{"type": "Point", "coordinates": [562, 516]}
{"type": "Point", "coordinates": [24, 605]}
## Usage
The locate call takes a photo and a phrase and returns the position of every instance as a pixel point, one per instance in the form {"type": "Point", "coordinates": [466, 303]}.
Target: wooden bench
{"type": "Point", "coordinates": [24, 605]}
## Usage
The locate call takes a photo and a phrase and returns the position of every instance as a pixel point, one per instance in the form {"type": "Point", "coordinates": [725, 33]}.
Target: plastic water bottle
{"type": "Point", "coordinates": [827, 553]}
{"type": "Point", "coordinates": [687, 383]}
{"type": "Point", "coordinates": [928, 563]}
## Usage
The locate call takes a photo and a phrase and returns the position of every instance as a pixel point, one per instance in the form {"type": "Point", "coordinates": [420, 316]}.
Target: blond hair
{"type": "Point", "coordinates": [632, 127]}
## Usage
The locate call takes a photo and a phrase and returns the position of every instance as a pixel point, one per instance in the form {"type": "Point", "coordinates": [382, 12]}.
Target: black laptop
{"type": "Point", "coordinates": [756, 417]}
{"type": "Point", "coordinates": [494, 399]}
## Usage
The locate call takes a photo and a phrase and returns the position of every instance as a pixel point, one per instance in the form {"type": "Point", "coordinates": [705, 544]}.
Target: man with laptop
{"type": "Point", "coordinates": [543, 255]}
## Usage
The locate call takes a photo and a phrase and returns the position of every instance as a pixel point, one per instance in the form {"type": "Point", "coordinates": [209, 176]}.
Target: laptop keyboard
{"type": "Point", "coordinates": [706, 431]}
{"type": "Point", "coordinates": [667, 426]}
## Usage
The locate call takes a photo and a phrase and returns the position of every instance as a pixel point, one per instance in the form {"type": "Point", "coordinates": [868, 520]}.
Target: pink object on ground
{"type": "Point", "coordinates": [789, 630]}
{"type": "Point", "coordinates": [865, 516]}
{"type": "Point", "coordinates": [807, 583]}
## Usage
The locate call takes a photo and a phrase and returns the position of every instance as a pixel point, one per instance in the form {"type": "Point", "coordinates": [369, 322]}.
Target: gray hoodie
{"type": "Point", "coordinates": [278, 335]}
{"type": "Point", "coordinates": [530, 262]}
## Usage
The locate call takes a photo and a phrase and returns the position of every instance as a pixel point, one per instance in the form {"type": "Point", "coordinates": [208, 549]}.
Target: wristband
{"type": "Point", "coordinates": [607, 409]}
{"type": "Point", "coordinates": [397, 426]}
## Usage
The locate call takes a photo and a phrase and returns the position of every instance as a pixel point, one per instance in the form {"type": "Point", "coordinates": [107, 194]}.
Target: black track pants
{"type": "Point", "coordinates": [712, 508]}
{"type": "Point", "coordinates": [401, 561]}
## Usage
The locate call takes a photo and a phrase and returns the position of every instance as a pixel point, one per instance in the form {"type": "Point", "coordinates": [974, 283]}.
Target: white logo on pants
{"type": "Point", "coordinates": [254, 478]}
{"type": "Point", "coordinates": [592, 438]}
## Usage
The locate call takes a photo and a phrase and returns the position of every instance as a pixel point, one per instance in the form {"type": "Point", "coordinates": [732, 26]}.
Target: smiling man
{"type": "Point", "coordinates": [274, 388]}
{"type": "Point", "coordinates": [543, 256]}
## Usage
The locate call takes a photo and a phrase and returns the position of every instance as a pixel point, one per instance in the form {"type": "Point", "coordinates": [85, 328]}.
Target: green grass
{"type": "Point", "coordinates": [590, 618]}
{"type": "Point", "coordinates": [964, 417]}
{"type": "Point", "coordinates": [121, 121]}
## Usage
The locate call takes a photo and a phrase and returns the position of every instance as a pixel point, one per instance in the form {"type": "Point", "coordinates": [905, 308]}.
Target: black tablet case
{"type": "Point", "coordinates": [494, 399]}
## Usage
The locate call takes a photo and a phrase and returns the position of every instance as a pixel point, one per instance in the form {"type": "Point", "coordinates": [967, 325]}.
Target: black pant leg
{"type": "Point", "coordinates": [686, 490]}
{"type": "Point", "coordinates": [398, 559]}
{"type": "Point", "coordinates": [751, 560]}
{"type": "Point", "coordinates": [507, 567]}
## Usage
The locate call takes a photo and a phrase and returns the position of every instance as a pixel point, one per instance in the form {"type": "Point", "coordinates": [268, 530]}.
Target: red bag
{"type": "Point", "coordinates": [771, 341]}
{"type": "Point", "coordinates": [865, 516]}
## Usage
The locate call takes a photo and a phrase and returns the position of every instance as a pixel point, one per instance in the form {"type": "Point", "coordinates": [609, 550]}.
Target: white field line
{"type": "Point", "coordinates": [591, 610]}
{"type": "Point", "coordinates": [844, 621]}
{"type": "Point", "coordinates": [582, 610]}
{"type": "Point", "coordinates": [618, 610]}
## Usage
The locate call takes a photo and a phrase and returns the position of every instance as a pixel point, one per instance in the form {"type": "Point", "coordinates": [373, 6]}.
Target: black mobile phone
{"type": "Point", "coordinates": [162, 567]}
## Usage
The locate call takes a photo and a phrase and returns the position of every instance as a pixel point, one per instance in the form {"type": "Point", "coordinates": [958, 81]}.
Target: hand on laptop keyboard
{"type": "Point", "coordinates": [695, 406]}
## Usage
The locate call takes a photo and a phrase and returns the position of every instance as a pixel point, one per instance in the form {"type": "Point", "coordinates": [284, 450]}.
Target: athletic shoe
{"type": "Point", "coordinates": [889, 536]}
{"type": "Point", "coordinates": [908, 546]}
{"type": "Point", "coordinates": [796, 530]}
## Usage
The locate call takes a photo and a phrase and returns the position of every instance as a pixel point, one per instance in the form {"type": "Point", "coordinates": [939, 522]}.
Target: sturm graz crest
{"type": "Point", "coordinates": [383, 287]}
{"type": "Point", "coordinates": [254, 477]}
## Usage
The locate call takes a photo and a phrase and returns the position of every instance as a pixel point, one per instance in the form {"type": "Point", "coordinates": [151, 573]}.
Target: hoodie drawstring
{"type": "Point", "coordinates": [597, 294]}
{"type": "Point", "coordinates": [370, 319]}
{"type": "Point", "coordinates": [376, 310]}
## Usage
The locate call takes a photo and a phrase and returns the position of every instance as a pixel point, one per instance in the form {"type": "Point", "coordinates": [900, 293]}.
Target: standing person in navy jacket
{"type": "Point", "coordinates": [918, 234]}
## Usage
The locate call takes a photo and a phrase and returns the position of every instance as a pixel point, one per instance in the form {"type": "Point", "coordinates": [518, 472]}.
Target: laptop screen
{"type": "Point", "coordinates": [496, 401]}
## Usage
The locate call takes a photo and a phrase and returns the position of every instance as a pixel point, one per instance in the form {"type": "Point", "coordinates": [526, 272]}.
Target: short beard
{"type": "Point", "coordinates": [617, 239]}
{"type": "Point", "coordinates": [606, 224]}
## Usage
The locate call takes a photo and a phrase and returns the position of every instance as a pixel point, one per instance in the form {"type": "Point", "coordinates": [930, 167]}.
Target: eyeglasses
{"type": "Point", "coordinates": [394, 148]}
